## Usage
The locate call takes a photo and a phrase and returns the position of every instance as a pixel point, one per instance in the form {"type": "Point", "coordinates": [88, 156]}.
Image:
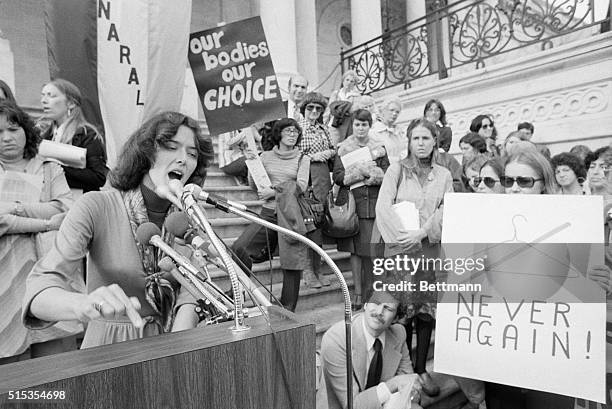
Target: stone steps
{"type": "Point", "coordinates": [322, 306]}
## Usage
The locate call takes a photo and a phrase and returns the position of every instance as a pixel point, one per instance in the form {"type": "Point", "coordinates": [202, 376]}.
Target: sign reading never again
{"type": "Point", "coordinates": [234, 75]}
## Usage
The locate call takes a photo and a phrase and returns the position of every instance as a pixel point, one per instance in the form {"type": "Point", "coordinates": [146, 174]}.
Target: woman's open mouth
{"type": "Point", "coordinates": [175, 174]}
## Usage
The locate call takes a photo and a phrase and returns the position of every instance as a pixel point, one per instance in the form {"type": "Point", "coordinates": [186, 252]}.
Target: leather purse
{"type": "Point", "coordinates": [341, 221]}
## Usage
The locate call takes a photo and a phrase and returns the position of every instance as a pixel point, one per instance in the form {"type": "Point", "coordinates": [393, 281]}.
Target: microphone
{"type": "Point", "coordinates": [149, 234]}
{"type": "Point", "coordinates": [167, 265]}
{"type": "Point", "coordinates": [219, 202]}
{"type": "Point", "coordinates": [178, 225]}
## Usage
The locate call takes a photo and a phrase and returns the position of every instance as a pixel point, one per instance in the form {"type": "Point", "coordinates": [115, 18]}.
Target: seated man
{"type": "Point", "coordinates": [381, 361]}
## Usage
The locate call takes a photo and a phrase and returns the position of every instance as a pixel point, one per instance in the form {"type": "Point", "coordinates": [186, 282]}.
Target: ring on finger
{"type": "Point", "coordinates": [98, 306]}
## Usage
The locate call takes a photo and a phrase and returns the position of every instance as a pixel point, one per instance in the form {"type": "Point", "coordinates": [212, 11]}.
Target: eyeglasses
{"type": "Point", "coordinates": [290, 131]}
{"type": "Point", "coordinates": [433, 109]}
{"type": "Point", "coordinates": [315, 108]}
{"type": "Point", "coordinates": [487, 126]}
{"type": "Point", "coordinates": [488, 181]}
{"type": "Point", "coordinates": [521, 181]}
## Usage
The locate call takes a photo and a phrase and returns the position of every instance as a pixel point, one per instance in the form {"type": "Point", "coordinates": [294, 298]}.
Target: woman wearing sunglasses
{"type": "Point", "coordinates": [488, 179]}
{"type": "Point", "coordinates": [316, 143]}
{"type": "Point", "coordinates": [472, 171]}
{"type": "Point", "coordinates": [527, 171]}
{"type": "Point", "coordinates": [483, 125]}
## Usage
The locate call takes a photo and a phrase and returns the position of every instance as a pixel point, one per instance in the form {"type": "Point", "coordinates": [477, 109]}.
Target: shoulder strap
{"type": "Point", "coordinates": [400, 177]}
{"type": "Point", "coordinates": [47, 181]}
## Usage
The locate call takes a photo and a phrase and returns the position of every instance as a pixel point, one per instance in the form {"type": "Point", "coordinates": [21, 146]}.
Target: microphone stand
{"type": "Point", "coordinates": [335, 269]}
{"type": "Point", "coordinates": [197, 215]}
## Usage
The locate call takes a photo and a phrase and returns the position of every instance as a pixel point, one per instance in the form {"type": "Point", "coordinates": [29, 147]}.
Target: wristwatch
{"type": "Point", "coordinates": [18, 209]}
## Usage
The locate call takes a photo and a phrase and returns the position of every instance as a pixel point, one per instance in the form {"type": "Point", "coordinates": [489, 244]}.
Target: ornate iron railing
{"type": "Point", "coordinates": [466, 32]}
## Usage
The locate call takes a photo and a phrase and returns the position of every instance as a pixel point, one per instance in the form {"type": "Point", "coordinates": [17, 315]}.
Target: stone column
{"type": "Point", "coordinates": [366, 20]}
{"type": "Point", "coordinates": [415, 9]}
{"type": "Point", "coordinates": [306, 36]}
{"type": "Point", "coordinates": [7, 63]}
{"type": "Point", "coordinates": [278, 19]}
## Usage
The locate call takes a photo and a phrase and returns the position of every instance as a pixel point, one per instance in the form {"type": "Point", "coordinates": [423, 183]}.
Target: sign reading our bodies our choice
{"type": "Point", "coordinates": [234, 75]}
{"type": "Point", "coordinates": [527, 327]}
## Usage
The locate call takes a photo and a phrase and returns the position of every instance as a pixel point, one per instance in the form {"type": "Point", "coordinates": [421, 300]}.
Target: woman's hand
{"type": "Point", "coordinates": [56, 221]}
{"type": "Point", "coordinates": [7, 208]}
{"type": "Point", "coordinates": [322, 156]}
{"type": "Point", "coordinates": [250, 154]}
{"type": "Point", "coordinates": [378, 152]}
{"type": "Point", "coordinates": [266, 193]}
{"type": "Point", "coordinates": [601, 275]}
{"type": "Point", "coordinates": [411, 236]}
{"type": "Point", "coordinates": [108, 302]}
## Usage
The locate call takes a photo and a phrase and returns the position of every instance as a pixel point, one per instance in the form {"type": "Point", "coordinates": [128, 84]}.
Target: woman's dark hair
{"type": "Point", "coordinates": [571, 161]}
{"type": "Point", "coordinates": [477, 124]}
{"type": "Point", "coordinates": [439, 105]}
{"type": "Point", "coordinates": [140, 150]}
{"type": "Point", "coordinates": [593, 156]}
{"type": "Point", "coordinates": [282, 124]}
{"type": "Point", "coordinates": [7, 92]}
{"type": "Point", "coordinates": [526, 125]}
{"type": "Point", "coordinates": [314, 98]}
{"type": "Point", "coordinates": [17, 116]}
{"type": "Point", "coordinates": [495, 164]}
{"type": "Point", "coordinates": [363, 115]}
{"type": "Point", "coordinates": [476, 141]}
{"type": "Point", "coordinates": [581, 151]}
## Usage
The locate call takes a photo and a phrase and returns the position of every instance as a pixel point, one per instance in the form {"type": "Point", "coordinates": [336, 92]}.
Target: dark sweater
{"type": "Point", "coordinates": [93, 177]}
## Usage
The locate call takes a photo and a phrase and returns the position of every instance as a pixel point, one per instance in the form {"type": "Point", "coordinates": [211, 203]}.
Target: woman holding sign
{"type": "Point", "coordinates": [359, 169]}
{"type": "Point", "coordinates": [419, 181]}
{"type": "Point", "coordinates": [128, 295]}
{"type": "Point", "coordinates": [61, 102]}
{"type": "Point", "coordinates": [34, 197]}
{"type": "Point", "coordinates": [526, 171]}
{"type": "Point", "coordinates": [283, 164]}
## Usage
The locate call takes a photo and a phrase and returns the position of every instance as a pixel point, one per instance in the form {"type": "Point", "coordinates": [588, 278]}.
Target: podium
{"type": "Point", "coordinates": [268, 366]}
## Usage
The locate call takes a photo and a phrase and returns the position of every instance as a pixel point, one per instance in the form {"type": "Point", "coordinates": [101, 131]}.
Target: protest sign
{"type": "Point", "coordinates": [539, 321]}
{"type": "Point", "coordinates": [234, 75]}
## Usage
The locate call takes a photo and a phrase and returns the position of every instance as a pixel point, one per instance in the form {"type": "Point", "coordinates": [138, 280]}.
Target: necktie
{"type": "Point", "coordinates": [375, 366]}
{"type": "Point", "coordinates": [296, 111]}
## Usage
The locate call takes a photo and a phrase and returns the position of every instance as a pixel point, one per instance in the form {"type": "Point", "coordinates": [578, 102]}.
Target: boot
{"type": "Point", "coordinates": [310, 280]}
{"type": "Point", "coordinates": [429, 386]}
{"type": "Point", "coordinates": [323, 279]}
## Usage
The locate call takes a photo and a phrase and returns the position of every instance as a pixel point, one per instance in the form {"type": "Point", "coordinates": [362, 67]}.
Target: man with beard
{"type": "Point", "coordinates": [381, 360]}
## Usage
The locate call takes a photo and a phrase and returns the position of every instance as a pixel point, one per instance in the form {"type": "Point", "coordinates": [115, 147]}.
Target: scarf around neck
{"type": "Point", "coordinates": [159, 293]}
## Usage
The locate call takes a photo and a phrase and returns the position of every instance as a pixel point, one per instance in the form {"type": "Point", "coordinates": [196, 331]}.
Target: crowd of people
{"type": "Point", "coordinates": [49, 227]}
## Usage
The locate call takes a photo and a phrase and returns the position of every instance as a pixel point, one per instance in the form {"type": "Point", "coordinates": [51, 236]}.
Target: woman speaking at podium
{"type": "Point", "coordinates": [128, 297]}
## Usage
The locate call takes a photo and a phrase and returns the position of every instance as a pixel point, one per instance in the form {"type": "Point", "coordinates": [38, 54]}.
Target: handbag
{"type": "Point", "coordinates": [340, 221]}
{"type": "Point", "coordinates": [313, 210]}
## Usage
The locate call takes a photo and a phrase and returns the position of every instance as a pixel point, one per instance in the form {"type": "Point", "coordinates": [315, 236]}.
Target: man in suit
{"type": "Point", "coordinates": [381, 361]}
{"type": "Point", "coordinates": [297, 91]}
